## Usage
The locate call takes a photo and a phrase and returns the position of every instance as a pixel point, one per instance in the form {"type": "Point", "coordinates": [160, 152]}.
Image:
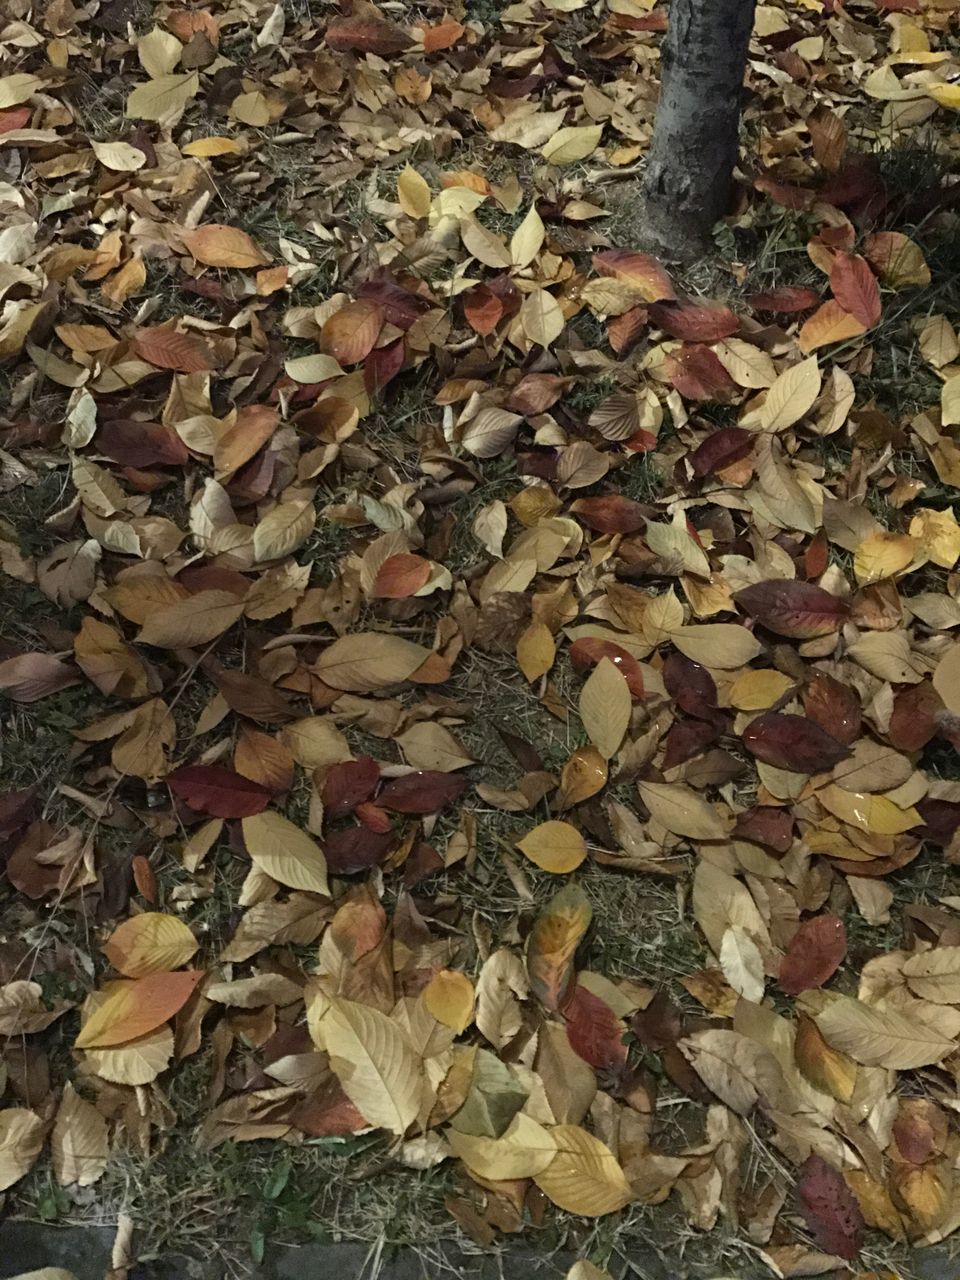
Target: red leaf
{"type": "Point", "coordinates": [637, 269]}
{"type": "Point", "coordinates": [366, 35]}
{"type": "Point", "coordinates": [587, 652]}
{"type": "Point", "coordinates": [424, 791]}
{"type": "Point", "coordinates": [144, 878]}
{"type": "Point", "coordinates": [799, 610]}
{"type": "Point", "coordinates": [218, 791]}
{"type": "Point", "coordinates": [442, 36]}
{"type": "Point", "coordinates": [537, 392]}
{"type": "Point", "coordinates": [914, 719]}
{"type": "Point", "coordinates": [690, 685]}
{"type": "Point", "coordinates": [698, 374]}
{"type": "Point", "coordinates": [855, 287]}
{"type": "Point", "coordinates": [348, 784]}
{"type": "Point", "coordinates": [382, 365]}
{"type": "Point", "coordinates": [830, 1208]}
{"type": "Point", "coordinates": [694, 321]}
{"type": "Point", "coordinates": [400, 576]}
{"type": "Point", "coordinates": [14, 119]}
{"type": "Point", "coordinates": [792, 742]}
{"type": "Point", "coordinates": [835, 707]}
{"type": "Point", "coordinates": [785, 300]}
{"type": "Point", "coordinates": [815, 953]}
{"type": "Point", "coordinates": [400, 306]}
{"type": "Point", "coordinates": [686, 739]}
{"type": "Point", "coordinates": [483, 310]}
{"type": "Point", "coordinates": [372, 816]}
{"type": "Point", "coordinates": [722, 449]}
{"type": "Point", "coordinates": [611, 513]}
{"type": "Point", "coordinates": [167, 349]}
{"type": "Point", "coordinates": [356, 849]}
{"type": "Point", "coordinates": [351, 333]}
{"type": "Point", "coordinates": [594, 1031]}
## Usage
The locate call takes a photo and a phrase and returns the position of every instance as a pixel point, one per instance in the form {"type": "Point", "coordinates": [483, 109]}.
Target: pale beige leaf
{"type": "Point", "coordinates": [747, 365]}
{"type": "Point", "coordinates": [935, 975]}
{"type": "Point", "coordinates": [525, 1149]}
{"type": "Point", "coordinates": [255, 992]}
{"type": "Point", "coordinates": [737, 1069]}
{"type": "Point", "coordinates": [150, 943]}
{"type": "Point", "coordinates": [946, 678]}
{"type": "Point", "coordinates": [724, 646]}
{"type": "Point", "coordinates": [489, 432]}
{"type": "Point", "coordinates": [192, 622]}
{"type": "Point", "coordinates": [283, 529]}
{"type": "Point", "coordinates": [502, 984]}
{"type": "Point", "coordinates": [21, 1137]}
{"type": "Point", "coordinates": [584, 1176]}
{"type": "Point", "coordinates": [536, 650]}
{"type": "Point", "coordinates": [315, 368]}
{"type": "Point", "coordinates": [722, 902]}
{"type": "Point", "coordinates": [121, 157]}
{"type": "Point", "coordinates": [428, 745]}
{"type": "Point", "coordinates": [369, 660]}
{"type": "Point", "coordinates": [163, 98]}
{"type": "Point", "coordinates": [484, 245]}
{"type": "Point", "coordinates": [541, 318]}
{"type": "Point", "coordinates": [315, 741]}
{"type": "Point", "coordinates": [605, 707]}
{"type": "Point", "coordinates": [375, 1063]}
{"type": "Point", "coordinates": [742, 963]}
{"type": "Point", "coordinates": [681, 810]}
{"type": "Point", "coordinates": [881, 1037]}
{"type": "Point", "coordinates": [791, 396]}
{"type": "Point", "coordinates": [79, 1143]}
{"type": "Point", "coordinates": [889, 655]}
{"type": "Point", "coordinates": [137, 1062]}
{"type": "Point", "coordinates": [285, 853]}
{"type": "Point", "coordinates": [159, 52]}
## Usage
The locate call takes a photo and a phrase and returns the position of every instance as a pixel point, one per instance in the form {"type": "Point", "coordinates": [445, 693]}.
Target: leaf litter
{"type": "Point", "coordinates": [272, 599]}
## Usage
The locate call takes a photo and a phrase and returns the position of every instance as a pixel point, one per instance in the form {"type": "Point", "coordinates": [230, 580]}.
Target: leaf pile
{"type": "Point", "coordinates": [752, 670]}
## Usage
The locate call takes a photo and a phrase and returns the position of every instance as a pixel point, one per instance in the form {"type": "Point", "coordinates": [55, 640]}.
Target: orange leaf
{"type": "Point", "coordinates": [136, 1007]}
{"type": "Point", "coordinates": [829, 323]}
{"type": "Point", "coordinates": [351, 332]}
{"type": "Point", "coordinates": [216, 245]}
{"type": "Point", "coordinates": [400, 576]}
{"type": "Point", "coordinates": [556, 934]}
{"type": "Point", "coordinates": [167, 349]}
{"type": "Point", "coordinates": [855, 287]}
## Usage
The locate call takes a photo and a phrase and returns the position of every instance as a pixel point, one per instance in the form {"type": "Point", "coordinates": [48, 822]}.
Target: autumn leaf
{"type": "Point", "coordinates": [815, 953]}
{"type": "Point", "coordinates": [556, 934]}
{"type": "Point", "coordinates": [830, 1208]}
{"type": "Point", "coordinates": [216, 245]}
{"type": "Point", "coordinates": [133, 1008]}
{"type": "Point", "coordinates": [554, 846]}
{"type": "Point", "coordinates": [798, 610]}
{"type": "Point", "coordinates": [218, 791]}
{"type": "Point", "coordinates": [792, 742]}
{"type": "Point", "coordinates": [150, 943]}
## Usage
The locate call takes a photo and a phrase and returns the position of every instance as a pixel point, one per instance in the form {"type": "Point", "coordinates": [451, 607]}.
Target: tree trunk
{"type": "Point", "coordinates": [689, 175]}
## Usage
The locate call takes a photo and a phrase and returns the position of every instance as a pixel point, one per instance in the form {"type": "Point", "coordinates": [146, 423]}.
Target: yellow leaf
{"type": "Point", "coordinates": [948, 95]}
{"type": "Point", "coordinates": [541, 318]}
{"type": "Point", "coordinates": [133, 1008]}
{"type": "Point", "coordinates": [527, 240]}
{"type": "Point", "coordinates": [162, 98]}
{"type": "Point", "coordinates": [826, 1069]}
{"type": "Point", "coordinates": [375, 1063]}
{"type": "Point", "coordinates": [369, 660]}
{"type": "Point", "coordinates": [283, 529]}
{"type": "Point", "coordinates": [874, 814]}
{"type": "Point", "coordinates": [192, 622]}
{"type": "Point", "coordinates": [536, 650]}
{"type": "Point", "coordinates": [149, 943]}
{"type": "Point", "coordinates": [553, 942]}
{"type": "Point", "coordinates": [605, 707]}
{"type": "Point", "coordinates": [212, 146]}
{"type": "Point", "coordinates": [315, 368]}
{"type": "Point", "coordinates": [284, 852]}
{"type": "Point", "coordinates": [571, 144]}
{"type": "Point", "coordinates": [449, 997]}
{"type": "Point", "coordinates": [216, 245]}
{"type": "Point", "coordinates": [758, 690]}
{"type": "Point", "coordinates": [584, 1177]}
{"type": "Point", "coordinates": [159, 52]}
{"type": "Point", "coordinates": [935, 975]}
{"type": "Point", "coordinates": [79, 1144]}
{"type": "Point", "coordinates": [882, 555]}
{"type": "Point", "coordinates": [881, 1037]}
{"type": "Point", "coordinates": [554, 846]}
{"type": "Point", "coordinates": [681, 810]}
{"type": "Point", "coordinates": [791, 396]}
{"type": "Point", "coordinates": [21, 1137]}
{"type": "Point", "coordinates": [413, 193]}
{"type": "Point", "coordinates": [937, 535]}
{"type": "Point", "coordinates": [523, 1150]}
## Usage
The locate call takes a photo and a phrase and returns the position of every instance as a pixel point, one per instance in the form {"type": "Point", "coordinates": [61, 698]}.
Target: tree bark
{"type": "Point", "coordinates": [689, 175]}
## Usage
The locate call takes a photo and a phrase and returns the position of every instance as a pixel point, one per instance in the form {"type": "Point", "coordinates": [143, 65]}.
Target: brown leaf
{"type": "Point", "coordinates": [855, 287]}
{"type": "Point", "coordinates": [216, 245]}
{"type": "Point", "coordinates": [424, 791]}
{"type": "Point", "coordinates": [792, 742]}
{"type": "Point", "coordinates": [351, 332]}
{"type": "Point", "coordinates": [795, 609]}
{"type": "Point", "coordinates": [219, 792]}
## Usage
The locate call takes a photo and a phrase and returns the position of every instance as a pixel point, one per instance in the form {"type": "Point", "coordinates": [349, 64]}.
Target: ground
{"type": "Point", "coordinates": [239, 1200]}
